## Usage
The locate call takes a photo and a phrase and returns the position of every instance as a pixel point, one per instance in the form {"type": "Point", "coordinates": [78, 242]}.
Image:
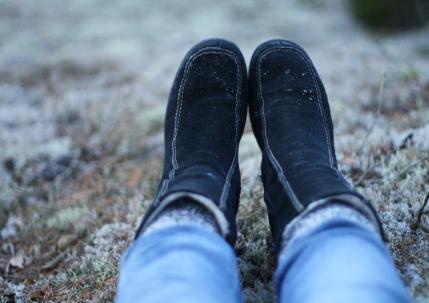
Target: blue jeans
{"type": "Point", "coordinates": [338, 262]}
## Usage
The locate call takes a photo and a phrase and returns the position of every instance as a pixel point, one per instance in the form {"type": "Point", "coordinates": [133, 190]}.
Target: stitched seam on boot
{"type": "Point", "coordinates": [227, 185]}
{"type": "Point", "coordinates": [313, 77]}
{"type": "Point", "coordinates": [297, 204]}
{"type": "Point", "coordinates": [201, 52]}
{"type": "Point", "coordinates": [161, 191]}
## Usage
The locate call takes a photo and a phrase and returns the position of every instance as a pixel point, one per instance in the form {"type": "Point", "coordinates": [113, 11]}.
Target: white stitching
{"type": "Point", "coordinates": [237, 119]}
{"type": "Point", "coordinates": [319, 96]}
{"type": "Point", "coordinates": [279, 169]}
{"type": "Point", "coordinates": [272, 158]}
{"type": "Point", "coordinates": [179, 106]}
{"type": "Point", "coordinates": [199, 53]}
{"type": "Point", "coordinates": [161, 191]}
{"type": "Point", "coordinates": [286, 49]}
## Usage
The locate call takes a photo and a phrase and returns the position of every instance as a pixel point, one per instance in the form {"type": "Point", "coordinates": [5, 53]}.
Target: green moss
{"type": "Point", "coordinates": [103, 269]}
{"type": "Point", "coordinates": [411, 74]}
{"type": "Point", "coordinates": [391, 14]}
{"type": "Point", "coordinates": [68, 217]}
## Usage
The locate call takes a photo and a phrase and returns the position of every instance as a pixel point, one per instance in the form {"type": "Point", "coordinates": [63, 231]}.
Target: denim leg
{"type": "Point", "coordinates": [339, 262]}
{"type": "Point", "coordinates": [183, 263]}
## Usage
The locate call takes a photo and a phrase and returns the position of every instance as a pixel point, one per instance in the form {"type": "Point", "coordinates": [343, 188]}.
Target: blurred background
{"type": "Point", "coordinates": [83, 88]}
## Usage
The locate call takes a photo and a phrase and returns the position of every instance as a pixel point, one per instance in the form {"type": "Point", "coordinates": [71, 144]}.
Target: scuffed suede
{"type": "Point", "coordinates": [291, 120]}
{"type": "Point", "coordinates": [204, 122]}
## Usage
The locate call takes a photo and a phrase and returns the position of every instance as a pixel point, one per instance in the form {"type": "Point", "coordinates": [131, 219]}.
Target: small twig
{"type": "Point", "coordinates": [370, 129]}
{"type": "Point", "coordinates": [408, 167]}
{"type": "Point", "coordinates": [365, 173]}
{"type": "Point", "coordinates": [55, 261]}
{"type": "Point", "coordinates": [420, 213]}
{"type": "Point", "coordinates": [377, 114]}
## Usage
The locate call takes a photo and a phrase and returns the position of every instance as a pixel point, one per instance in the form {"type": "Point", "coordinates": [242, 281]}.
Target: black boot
{"type": "Point", "coordinates": [291, 120]}
{"type": "Point", "coordinates": [204, 122]}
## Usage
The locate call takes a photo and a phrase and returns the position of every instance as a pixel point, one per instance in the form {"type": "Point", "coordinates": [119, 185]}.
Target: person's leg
{"type": "Point", "coordinates": [339, 260]}
{"type": "Point", "coordinates": [182, 251]}
{"type": "Point", "coordinates": [182, 263]}
{"type": "Point", "coordinates": [334, 255]}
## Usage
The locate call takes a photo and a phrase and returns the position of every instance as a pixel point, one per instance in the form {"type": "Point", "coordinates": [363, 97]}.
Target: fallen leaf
{"type": "Point", "coordinates": [17, 261]}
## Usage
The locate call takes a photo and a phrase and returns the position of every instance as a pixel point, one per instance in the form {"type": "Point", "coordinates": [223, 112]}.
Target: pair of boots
{"type": "Point", "coordinates": [291, 120]}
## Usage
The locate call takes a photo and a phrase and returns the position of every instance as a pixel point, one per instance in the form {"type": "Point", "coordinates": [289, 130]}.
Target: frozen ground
{"type": "Point", "coordinates": [83, 85]}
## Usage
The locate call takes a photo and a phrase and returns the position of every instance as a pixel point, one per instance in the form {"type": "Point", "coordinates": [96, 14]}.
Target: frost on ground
{"type": "Point", "coordinates": [83, 87]}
